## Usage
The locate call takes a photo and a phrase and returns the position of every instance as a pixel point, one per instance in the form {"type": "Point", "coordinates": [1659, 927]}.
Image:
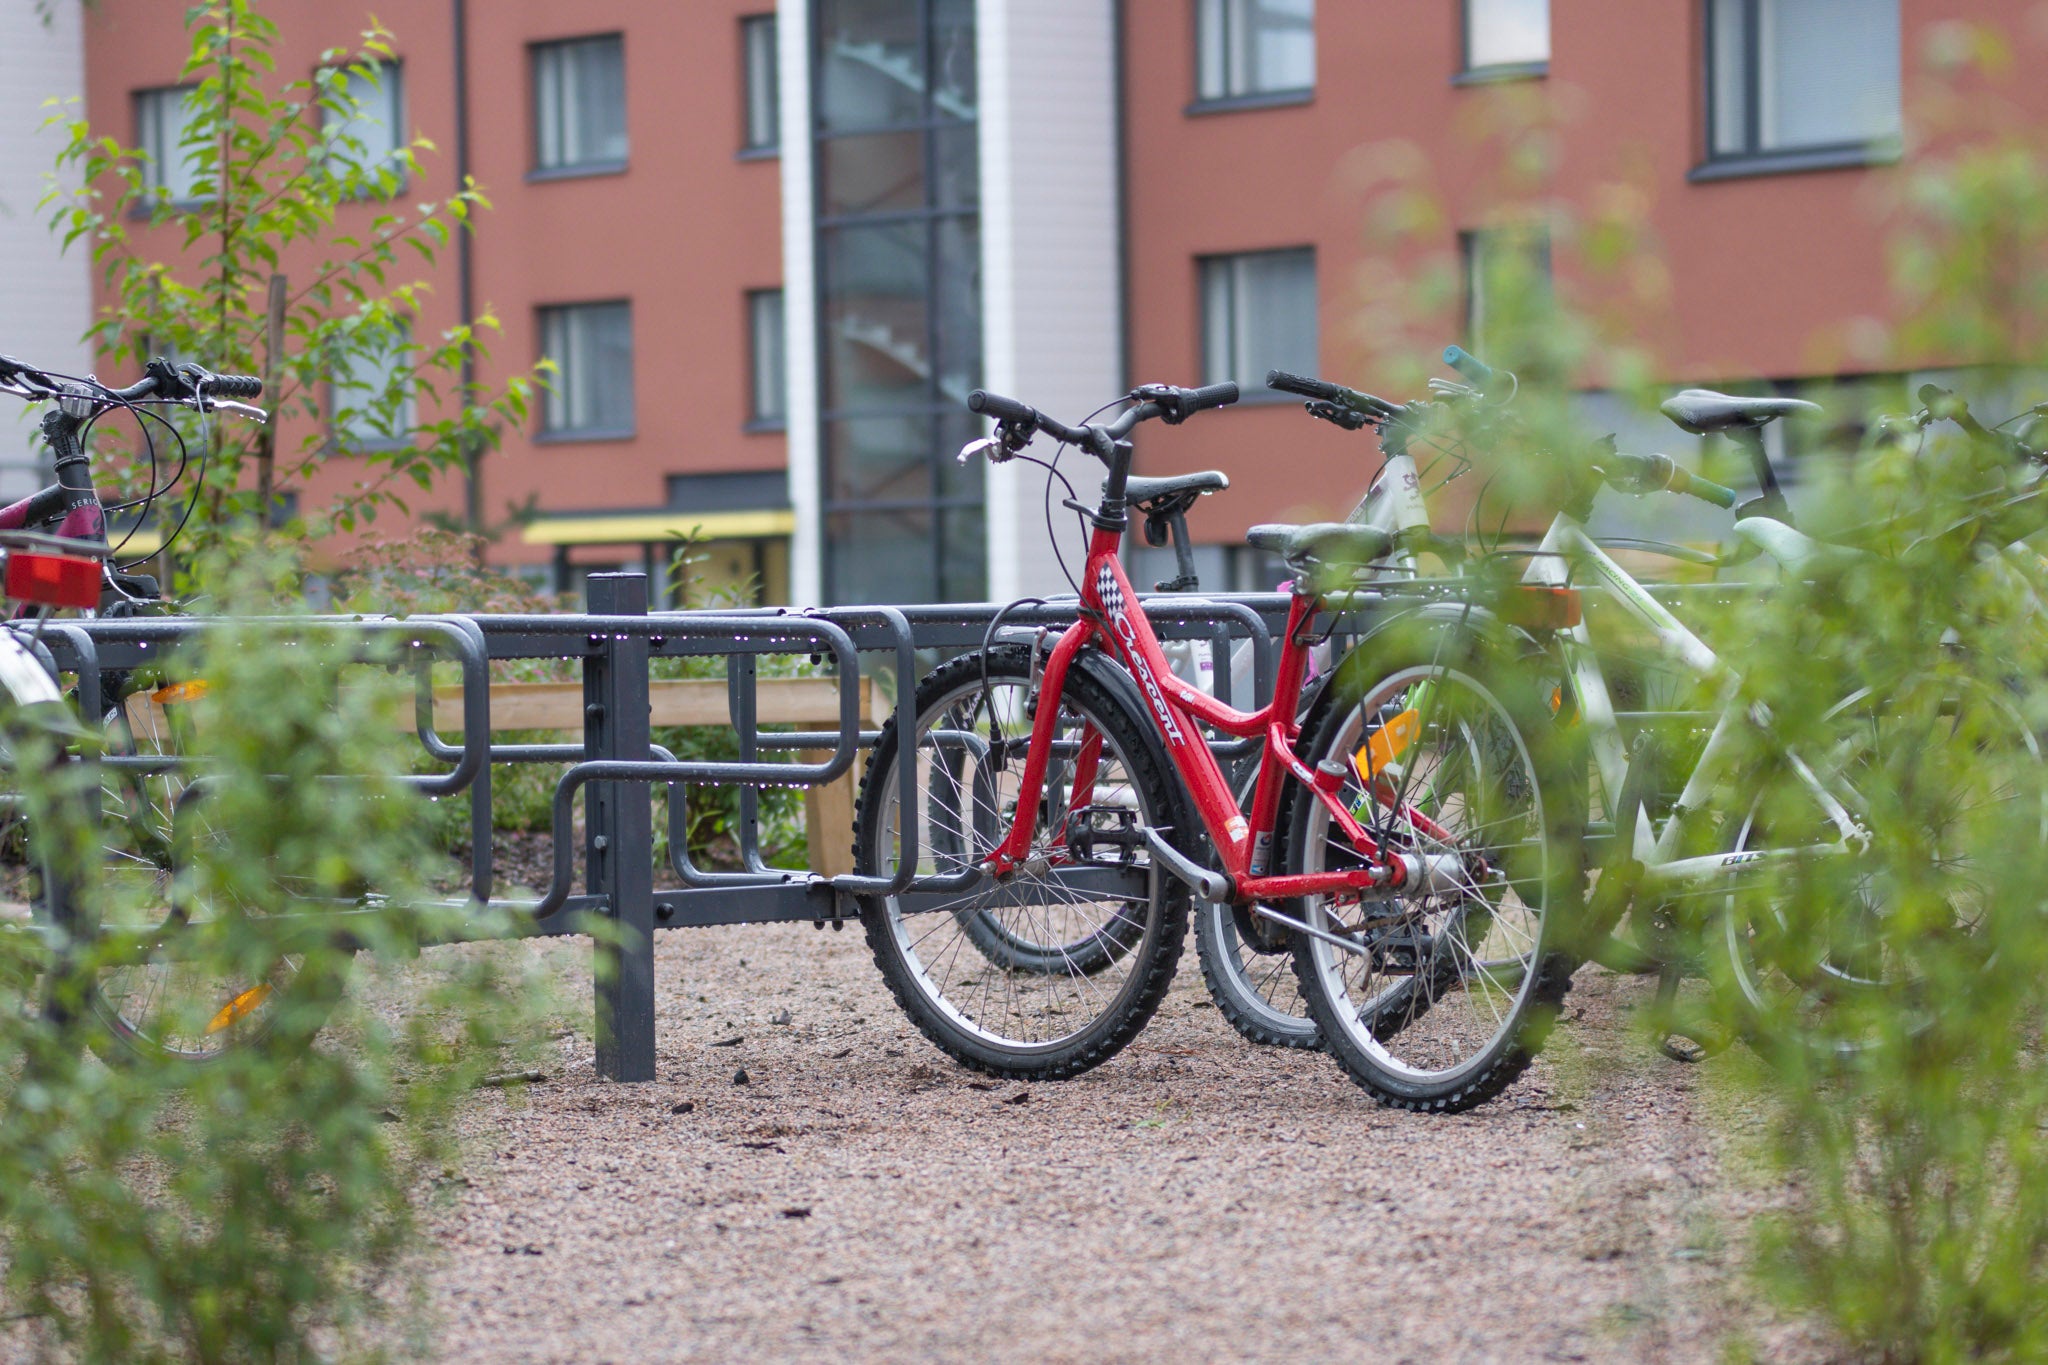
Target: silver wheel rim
{"type": "Point", "coordinates": [1474, 990]}
{"type": "Point", "coordinates": [1022, 1011]}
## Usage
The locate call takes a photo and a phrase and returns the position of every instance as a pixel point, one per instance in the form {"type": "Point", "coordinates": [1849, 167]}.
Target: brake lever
{"type": "Point", "coordinates": [1347, 418]}
{"type": "Point", "coordinates": [977, 447]}
{"type": "Point", "coordinates": [256, 415]}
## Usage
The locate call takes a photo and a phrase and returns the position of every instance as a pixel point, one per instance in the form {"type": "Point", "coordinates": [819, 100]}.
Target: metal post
{"type": "Point", "coordinates": [619, 841]}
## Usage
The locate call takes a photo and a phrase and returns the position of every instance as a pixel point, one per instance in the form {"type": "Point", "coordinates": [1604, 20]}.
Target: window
{"type": "Point", "coordinates": [1258, 314]}
{"type": "Point", "coordinates": [365, 135]}
{"type": "Point", "coordinates": [1792, 76]}
{"type": "Point", "coordinates": [1247, 48]}
{"type": "Point", "coordinates": [757, 48]}
{"type": "Point", "coordinates": [161, 118]}
{"type": "Point", "coordinates": [1507, 35]}
{"type": "Point", "coordinates": [591, 393]}
{"type": "Point", "coordinates": [898, 305]}
{"type": "Point", "coordinates": [579, 104]}
{"type": "Point", "coordinates": [370, 399]}
{"type": "Point", "coordinates": [1507, 281]}
{"type": "Point", "coordinates": [764, 344]}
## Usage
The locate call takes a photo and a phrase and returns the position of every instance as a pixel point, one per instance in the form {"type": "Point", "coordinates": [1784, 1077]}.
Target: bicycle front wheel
{"type": "Point", "coordinates": [1435, 996]}
{"type": "Point", "coordinates": [1054, 970]}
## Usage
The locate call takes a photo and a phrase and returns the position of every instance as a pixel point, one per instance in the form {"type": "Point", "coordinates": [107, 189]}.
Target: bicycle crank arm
{"type": "Point", "coordinates": [1210, 886]}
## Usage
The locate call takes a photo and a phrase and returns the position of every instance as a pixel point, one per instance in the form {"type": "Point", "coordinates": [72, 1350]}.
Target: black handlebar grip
{"type": "Point", "coordinates": [1469, 365]}
{"type": "Point", "coordinates": [235, 386]}
{"type": "Point", "coordinates": [1212, 396]}
{"type": "Point", "coordinates": [1001, 408]}
{"type": "Point", "coordinates": [1307, 388]}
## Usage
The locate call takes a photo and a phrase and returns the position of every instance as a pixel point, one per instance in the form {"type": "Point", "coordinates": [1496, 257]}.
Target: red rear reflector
{"type": "Point", "coordinates": [53, 580]}
{"type": "Point", "coordinates": [1542, 608]}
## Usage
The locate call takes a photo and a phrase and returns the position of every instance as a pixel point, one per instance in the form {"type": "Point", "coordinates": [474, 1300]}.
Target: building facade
{"type": "Point", "coordinates": [45, 294]}
{"type": "Point", "coordinates": [770, 245]}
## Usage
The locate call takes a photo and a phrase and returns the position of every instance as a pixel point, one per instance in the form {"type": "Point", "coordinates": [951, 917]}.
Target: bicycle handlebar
{"type": "Point", "coordinates": [1166, 401]}
{"type": "Point", "coordinates": [186, 383]}
{"type": "Point", "coordinates": [1651, 473]}
{"type": "Point", "coordinates": [1322, 390]}
{"type": "Point", "coordinates": [1469, 365]}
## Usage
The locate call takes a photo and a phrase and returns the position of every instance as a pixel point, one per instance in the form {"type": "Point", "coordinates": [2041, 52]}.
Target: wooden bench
{"type": "Point", "coordinates": [675, 702]}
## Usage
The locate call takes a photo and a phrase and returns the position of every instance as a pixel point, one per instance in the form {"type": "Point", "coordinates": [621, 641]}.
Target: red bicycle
{"type": "Point", "coordinates": [1068, 785]}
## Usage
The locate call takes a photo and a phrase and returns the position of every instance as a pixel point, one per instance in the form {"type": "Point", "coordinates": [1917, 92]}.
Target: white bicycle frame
{"type": "Point", "coordinates": [1566, 551]}
{"type": "Point", "coordinates": [1393, 504]}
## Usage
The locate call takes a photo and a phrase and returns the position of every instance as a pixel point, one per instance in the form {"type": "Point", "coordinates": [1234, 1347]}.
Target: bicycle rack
{"type": "Point", "coordinates": [616, 640]}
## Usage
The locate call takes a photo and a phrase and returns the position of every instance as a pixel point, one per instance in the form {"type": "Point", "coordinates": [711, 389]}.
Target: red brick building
{"type": "Point", "coordinates": [771, 269]}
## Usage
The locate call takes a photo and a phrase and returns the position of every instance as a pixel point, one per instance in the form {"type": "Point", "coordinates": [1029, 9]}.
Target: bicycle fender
{"type": "Point", "coordinates": [22, 675]}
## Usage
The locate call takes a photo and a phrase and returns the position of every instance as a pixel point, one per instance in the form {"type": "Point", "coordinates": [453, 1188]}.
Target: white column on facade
{"type": "Point", "coordinates": [45, 295]}
{"type": "Point", "coordinates": [800, 304]}
{"type": "Point", "coordinates": [1050, 288]}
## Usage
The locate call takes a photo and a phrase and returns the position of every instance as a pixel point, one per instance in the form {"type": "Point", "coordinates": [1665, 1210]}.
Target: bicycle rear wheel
{"type": "Point", "coordinates": [165, 1002]}
{"type": "Point", "coordinates": [1435, 996]}
{"type": "Point", "coordinates": [1053, 971]}
{"type": "Point", "coordinates": [1822, 959]}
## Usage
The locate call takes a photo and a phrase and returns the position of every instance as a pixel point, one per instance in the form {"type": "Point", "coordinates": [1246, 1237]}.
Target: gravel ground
{"type": "Point", "coordinates": [858, 1195]}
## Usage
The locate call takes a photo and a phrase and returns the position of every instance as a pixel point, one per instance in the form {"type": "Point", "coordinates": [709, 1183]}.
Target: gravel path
{"type": "Point", "coordinates": [859, 1196]}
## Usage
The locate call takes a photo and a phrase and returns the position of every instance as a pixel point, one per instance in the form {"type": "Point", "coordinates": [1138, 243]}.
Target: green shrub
{"type": "Point", "coordinates": [264, 1206]}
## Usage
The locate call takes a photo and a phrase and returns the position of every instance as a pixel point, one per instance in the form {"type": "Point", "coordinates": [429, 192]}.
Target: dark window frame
{"type": "Point", "coordinates": [395, 66]}
{"type": "Point", "coordinates": [1232, 101]}
{"type": "Point", "coordinates": [1753, 158]}
{"type": "Point", "coordinates": [750, 147]}
{"type": "Point", "coordinates": [152, 162]}
{"type": "Point", "coordinates": [340, 441]}
{"type": "Point", "coordinates": [758, 417]}
{"type": "Point", "coordinates": [571, 170]}
{"type": "Point", "coordinates": [1468, 74]}
{"type": "Point", "coordinates": [1251, 393]}
{"type": "Point", "coordinates": [543, 434]}
{"type": "Point", "coordinates": [1470, 241]}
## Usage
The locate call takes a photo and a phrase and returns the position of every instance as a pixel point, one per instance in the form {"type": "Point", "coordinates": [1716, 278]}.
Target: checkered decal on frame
{"type": "Point", "coordinates": [1108, 593]}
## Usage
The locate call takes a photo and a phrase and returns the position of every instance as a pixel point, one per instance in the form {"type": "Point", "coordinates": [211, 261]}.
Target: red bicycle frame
{"type": "Point", "coordinates": [1112, 619]}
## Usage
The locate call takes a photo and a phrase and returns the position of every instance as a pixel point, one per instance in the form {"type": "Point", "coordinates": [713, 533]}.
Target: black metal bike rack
{"type": "Point", "coordinates": [615, 641]}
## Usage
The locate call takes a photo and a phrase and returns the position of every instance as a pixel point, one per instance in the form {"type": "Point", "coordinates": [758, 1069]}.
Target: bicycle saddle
{"type": "Point", "coordinates": [1143, 492]}
{"type": "Point", "coordinates": [1322, 550]}
{"type": "Point", "coordinates": [1799, 554]}
{"type": "Point", "coordinates": [1700, 411]}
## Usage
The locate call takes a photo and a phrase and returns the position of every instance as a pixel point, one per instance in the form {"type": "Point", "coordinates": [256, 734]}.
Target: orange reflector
{"type": "Point", "coordinates": [1386, 744]}
{"type": "Point", "coordinates": [1536, 607]}
{"type": "Point", "coordinates": [53, 580]}
{"type": "Point", "coordinates": [179, 691]}
{"type": "Point", "coordinates": [239, 1008]}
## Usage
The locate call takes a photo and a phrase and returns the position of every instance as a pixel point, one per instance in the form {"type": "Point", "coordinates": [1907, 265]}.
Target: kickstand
{"type": "Point", "coordinates": [1678, 1039]}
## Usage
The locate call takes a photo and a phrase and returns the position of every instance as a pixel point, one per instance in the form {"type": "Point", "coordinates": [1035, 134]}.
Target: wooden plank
{"type": "Point", "coordinates": [675, 701]}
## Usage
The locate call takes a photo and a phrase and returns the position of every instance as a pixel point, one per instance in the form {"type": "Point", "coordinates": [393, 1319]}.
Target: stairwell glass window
{"type": "Point", "coordinates": [590, 395]}
{"type": "Point", "coordinates": [579, 105]}
{"type": "Point", "coordinates": [1801, 81]}
{"type": "Point", "coordinates": [362, 119]}
{"type": "Point", "coordinates": [1507, 37]}
{"type": "Point", "coordinates": [1507, 286]}
{"type": "Point", "coordinates": [1258, 314]}
{"type": "Point", "coordinates": [370, 394]}
{"type": "Point", "coordinates": [1254, 49]}
{"type": "Point", "coordinates": [764, 338]}
{"type": "Point", "coordinates": [763, 131]}
{"type": "Point", "coordinates": [168, 165]}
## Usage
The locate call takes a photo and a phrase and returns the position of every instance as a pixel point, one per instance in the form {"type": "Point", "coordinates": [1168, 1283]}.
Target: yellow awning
{"type": "Point", "coordinates": [655, 527]}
